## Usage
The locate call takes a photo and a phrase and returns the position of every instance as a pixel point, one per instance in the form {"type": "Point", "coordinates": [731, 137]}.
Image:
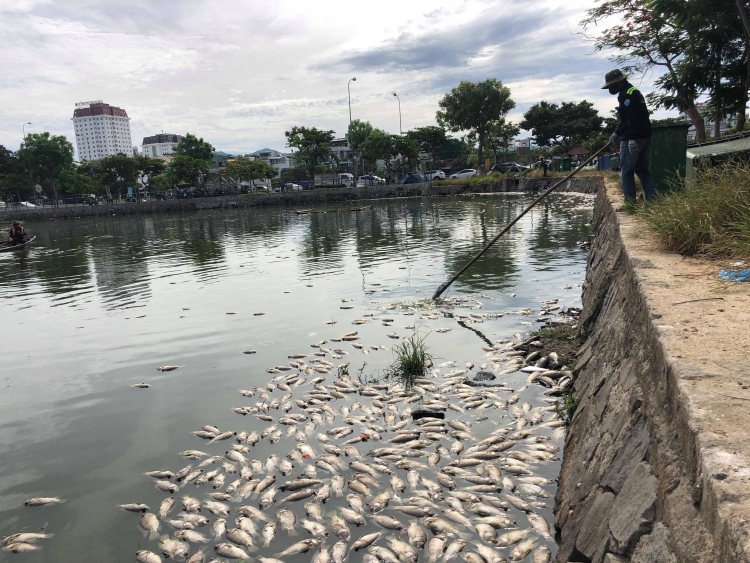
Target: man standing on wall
{"type": "Point", "coordinates": [633, 133]}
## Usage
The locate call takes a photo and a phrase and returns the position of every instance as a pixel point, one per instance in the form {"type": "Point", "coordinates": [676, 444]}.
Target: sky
{"type": "Point", "coordinates": [240, 73]}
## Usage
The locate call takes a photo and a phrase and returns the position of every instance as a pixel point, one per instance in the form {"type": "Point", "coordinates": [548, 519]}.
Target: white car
{"type": "Point", "coordinates": [27, 204]}
{"type": "Point", "coordinates": [294, 187]}
{"type": "Point", "coordinates": [435, 175]}
{"type": "Point", "coordinates": [369, 181]}
{"type": "Point", "coordinates": [466, 173]}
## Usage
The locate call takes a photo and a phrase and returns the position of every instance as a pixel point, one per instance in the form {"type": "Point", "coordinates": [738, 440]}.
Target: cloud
{"type": "Point", "coordinates": [240, 73]}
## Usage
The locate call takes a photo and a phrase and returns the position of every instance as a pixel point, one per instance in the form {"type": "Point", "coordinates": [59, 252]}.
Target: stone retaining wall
{"type": "Point", "coordinates": [302, 199]}
{"type": "Point", "coordinates": [635, 483]}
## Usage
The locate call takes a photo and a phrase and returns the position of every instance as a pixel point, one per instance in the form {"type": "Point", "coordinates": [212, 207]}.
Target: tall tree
{"type": "Point", "coordinates": [44, 156]}
{"type": "Point", "coordinates": [147, 169]}
{"type": "Point", "coordinates": [356, 134]}
{"type": "Point", "coordinates": [117, 170]}
{"type": "Point", "coordinates": [472, 105]}
{"type": "Point", "coordinates": [386, 147]}
{"type": "Point", "coordinates": [500, 135]}
{"type": "Point", "coordinates": [196, 148]}
{"type": "Point", "coordinates": [566, 124]}
{"type": "Point", "coordinates": [313, 146]}
{"type": "Point", "coordinates": [243, 169]}
{"type": "Point", "coordinates": [13, 176]}
{"type": "Point", "coordinates": [186, 169]}
{"type": "Point", "coordinates": [74, 182]}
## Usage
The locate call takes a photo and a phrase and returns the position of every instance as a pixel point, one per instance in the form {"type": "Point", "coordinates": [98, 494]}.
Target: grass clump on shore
{"type": "Point", "coordinates": [566, 407]}
{"type": "Point", "coordinates": [411, 359]}
{"type": "Point", "coordinates": [710, 216]}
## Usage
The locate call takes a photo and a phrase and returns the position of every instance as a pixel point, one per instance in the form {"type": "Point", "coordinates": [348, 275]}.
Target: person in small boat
{"type": "Point", "coordinates": [17, 234]}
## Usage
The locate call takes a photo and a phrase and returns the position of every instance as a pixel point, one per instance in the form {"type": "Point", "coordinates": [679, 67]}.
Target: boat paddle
{"type": "Point", "coordinates": [544, 194]}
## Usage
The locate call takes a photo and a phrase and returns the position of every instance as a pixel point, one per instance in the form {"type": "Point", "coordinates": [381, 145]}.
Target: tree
{"type": "Point", "coordinates": [645, 38]}
{"type": "Point", "coordinates": [146, 169]}
{"type": "Point", "coordinates": [293, 175]}
{"type": "Point", "coordinates": [386, 147]}
{"type": "Point", "coordinates": [74, 182]}
{"type": "Point", "coordinates": [471, 106]}
{"type": "Point", "coordinates": [44, 156]}
{"type": "Point", "coordinates": [313, 147]}
{"type": "Point", "coordinates": [500, 135]}
{"type": "Point", "coordinates": [243, 168]}
{"type": "Point", "coordinates": [567, 125]}
{"type": "Point", "coordinates": [196, 148]}
{"type": "Point", "coordinates": [357, 133]}
{"type": "Point", "coordinates": [117, 170]}
{"type": "Point", "coordinates": [13, 177]}
{"type": "Point", "coordinates": [186, 169]}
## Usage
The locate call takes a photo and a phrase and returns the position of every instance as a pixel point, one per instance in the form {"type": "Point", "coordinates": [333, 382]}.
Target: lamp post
{"type": "Point", "coordinates": [23, 128]}
{"type": "Point", "coordinates": [400, 131]}
{"type": "Point", "coordinates": [348, 89]}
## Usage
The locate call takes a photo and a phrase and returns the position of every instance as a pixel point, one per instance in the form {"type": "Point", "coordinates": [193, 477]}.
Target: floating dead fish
{"type": "Point", "coordinates": [167, 368]}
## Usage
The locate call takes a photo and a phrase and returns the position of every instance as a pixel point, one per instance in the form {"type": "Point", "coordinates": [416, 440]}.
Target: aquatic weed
{"type": "Point", "coordinates": [411, 358]}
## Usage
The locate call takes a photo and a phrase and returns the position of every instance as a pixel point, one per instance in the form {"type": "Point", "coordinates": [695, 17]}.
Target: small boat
{"type": "Point", "coordinates": [7, 247]}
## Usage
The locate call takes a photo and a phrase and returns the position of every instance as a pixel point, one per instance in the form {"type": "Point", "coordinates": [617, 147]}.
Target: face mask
{"type": "Point", "coordinates": [614, 89]}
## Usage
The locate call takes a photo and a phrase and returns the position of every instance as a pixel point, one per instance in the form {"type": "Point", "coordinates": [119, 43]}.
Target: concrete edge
{"type": "Point", "coordinates": [725, 516]}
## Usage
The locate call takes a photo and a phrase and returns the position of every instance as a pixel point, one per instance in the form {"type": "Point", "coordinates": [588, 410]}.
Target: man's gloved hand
{"type": "Point", "coordinates": [633, 148]}
{"type": "Point", "coordinates": [614, 138]}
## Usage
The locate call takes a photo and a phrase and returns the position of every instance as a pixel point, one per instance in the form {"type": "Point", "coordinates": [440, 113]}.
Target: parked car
{"type": "Point", "coordinates": [346, 179]}
{"type": "Point", "coordinates": [506, 167]}
{"type": "Point", "coordinates": [369, 180]}
{"type": "Point", "coordinates": [294, 187]}
{"type": "Point", "coordinates": [3, 205]}
{"type": "Point", "coordinates": [435, 175]}
{"type": "Point", "coordinates": [26, 204]}
{"type": "Point", "coordinates": [466, 173]}
{"type": "Point", "coordinates": [413, 178]}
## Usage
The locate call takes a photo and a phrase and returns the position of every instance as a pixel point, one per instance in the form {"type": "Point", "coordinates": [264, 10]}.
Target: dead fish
{"type": "Point", "coordinates": [167, 368]}
{"type": "Point", "coordinates": [435, 548]}
{"type": "Point", "coordinates": [387, 522]}
{"type": "Point", "coordinates": [339, 528]}
{"type": "Point", "coordinates": [165, 506]}
{"type": "Point", "coordinates": [519, 552]}
{"type": "Point", "coordinates": [240, 537]}
{"type": "Point", "coordinates": [287, 520]}
{"type": "Point", "coordinates": [366, 541]}
{"type": "Point", "coordinates": [339, 551]}
{"type": "Point", "coordinates": [541, 555]}
{"type": "Point", "coordinates": [141, 385]}
{"type": "Point", "coordinates": [300, 547]}
{"type": "Point", "coordinates": [540, 525]}
{"type": "Point", "coordinates": [145, 556]}
{"type": "Point", "coordinates": [150, 523]}
{"type": "Point", "coordinates": [267, 533]}
{"type": "Point", "coordinates": [230, 551]}
{"type": "Point", "coordinates": [133, 507]}
{"type": "Point", "coordinates": [43, 501]}
{"type": "Point", "coordinates": [191, 536]}
{"type": "Point", "coordinates": [352, 516]}
{"type": "Point", "coordinates": [25, 537]}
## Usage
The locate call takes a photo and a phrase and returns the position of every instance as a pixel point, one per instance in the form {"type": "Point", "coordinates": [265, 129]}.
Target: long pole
{"type": "Point", "coordinates": [400, 131]}
{"type": "Point", "coordinates": [546, 192]}
{"type": "Point", "coordinates": [23, 128]}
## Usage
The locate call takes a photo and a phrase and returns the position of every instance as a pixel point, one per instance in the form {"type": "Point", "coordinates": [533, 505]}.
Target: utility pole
{"type": "Point", "coordinates": [24, 130]}
{"type": "Point", "coordinates": [400, 131]}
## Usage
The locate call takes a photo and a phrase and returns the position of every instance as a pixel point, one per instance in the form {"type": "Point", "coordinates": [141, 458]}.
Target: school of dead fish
{"type": "Point", "coordinates": [429, 489]}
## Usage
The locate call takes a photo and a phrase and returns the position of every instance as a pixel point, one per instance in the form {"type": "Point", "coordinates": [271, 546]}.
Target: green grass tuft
{"type": "Point", "coordinates": [411, 356]}
{"type": "Point", "coordinates": [710, 217]}
{"type": "Point", "coordinates": [566, 407]}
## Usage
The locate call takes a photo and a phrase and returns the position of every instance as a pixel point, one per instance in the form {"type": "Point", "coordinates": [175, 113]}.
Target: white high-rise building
{"type": "Point", "coordinates": [101, 130]}
{"type": "Point", "coordinates": [160, 146]}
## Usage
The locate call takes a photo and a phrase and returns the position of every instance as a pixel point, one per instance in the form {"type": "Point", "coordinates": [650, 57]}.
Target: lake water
{"type": "Point", "coordinates": [96, 305]}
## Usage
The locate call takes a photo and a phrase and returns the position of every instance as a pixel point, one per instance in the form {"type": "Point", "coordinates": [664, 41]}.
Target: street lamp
{"type": "Point", "coordinates": [24, 128]}
{"type": "Point", "coordinates": [399, 114]}
{"type": "Point", "coordinates": [348, 89]}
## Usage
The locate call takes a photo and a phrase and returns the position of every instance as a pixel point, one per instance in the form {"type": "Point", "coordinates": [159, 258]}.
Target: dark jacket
{"type": "Point", "coordinates": [633, 112]}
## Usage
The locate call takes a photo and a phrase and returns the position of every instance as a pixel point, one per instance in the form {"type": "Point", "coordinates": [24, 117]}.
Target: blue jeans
{"type": "Point", "coordinates": [630, 166]}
